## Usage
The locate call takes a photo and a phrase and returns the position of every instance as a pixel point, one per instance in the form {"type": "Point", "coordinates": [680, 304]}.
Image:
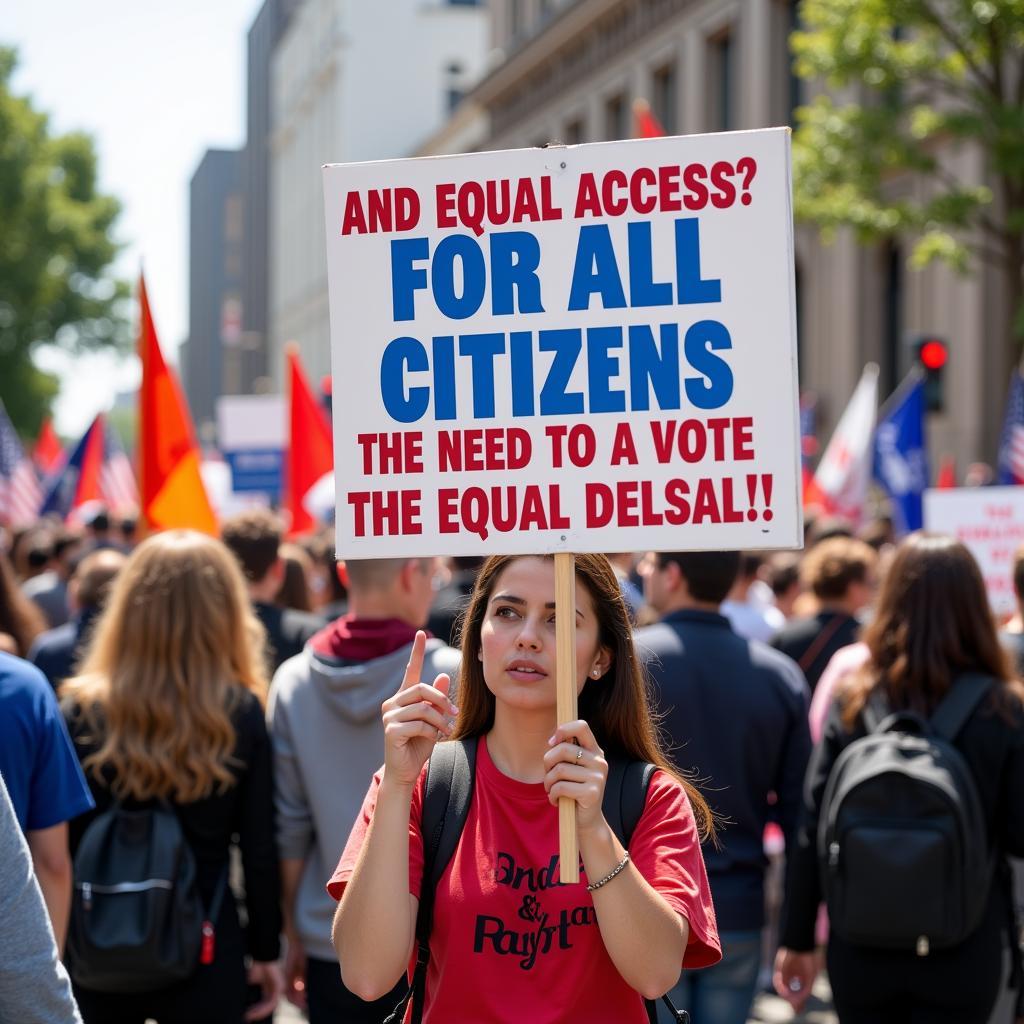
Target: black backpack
{"type": "Point", "coordinates": [902, 838]}
{"type": "Point", "coordinates": [137, 921]}
{"type": "Point", "coordinates": [446, 798]}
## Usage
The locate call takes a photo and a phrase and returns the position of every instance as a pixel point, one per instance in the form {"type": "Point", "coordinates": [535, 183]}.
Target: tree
{"type": "Point", "coordinates": [56, 249]}
{"type": "Point", "coordinates": [928, 77]}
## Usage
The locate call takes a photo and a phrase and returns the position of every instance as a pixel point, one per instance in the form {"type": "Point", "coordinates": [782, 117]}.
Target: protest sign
{"type": "Point", "coordinates": [586, 348]}
{"type": "Point", "coordinates": [989, 521]}
{"type": "Point", "coordinates": [250, 435]}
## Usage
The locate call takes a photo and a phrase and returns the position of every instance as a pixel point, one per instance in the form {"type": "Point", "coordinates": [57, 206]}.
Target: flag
{"type": "Point", "coordinates": [645, 124]}
{"type": "Point", "coordinates": [48, 452]}
{"type": "Point", "coordinates": [97, 472]}
{"type": "Point", "coordinates": [808, 442]}
{"type": "Point", "coordinates": [1011, 447]}
{"type": "Point", "coordinates": [841, 482]}
{"type": "Point", "coordinates": [901, 454]}
{"type": "Point", "coordinates": [946, 478]}
{"type": "Point", "coordinates": [172, 495]}
{"type": "Point", "coordinates": [20, 494]}
{"type": "Point", "coordinates": [309, 467]}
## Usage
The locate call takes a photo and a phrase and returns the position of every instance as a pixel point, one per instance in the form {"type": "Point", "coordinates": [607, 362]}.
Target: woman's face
{"type": "Point", "coordinates": [517, 636]}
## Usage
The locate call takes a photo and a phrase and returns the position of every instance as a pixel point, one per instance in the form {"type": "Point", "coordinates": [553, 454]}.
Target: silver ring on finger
{"type": "Point", "coordinates": [579, 755]}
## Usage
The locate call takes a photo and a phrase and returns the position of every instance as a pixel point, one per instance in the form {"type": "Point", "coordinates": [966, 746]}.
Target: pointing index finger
{"type": "Point", "coordinates": [414, 670]}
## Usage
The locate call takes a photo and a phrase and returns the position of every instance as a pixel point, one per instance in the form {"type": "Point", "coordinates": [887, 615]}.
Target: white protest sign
{"type": "Point", "coordinates": [586, 348]}
{"type": "Point", "coordinates": [989, 521]}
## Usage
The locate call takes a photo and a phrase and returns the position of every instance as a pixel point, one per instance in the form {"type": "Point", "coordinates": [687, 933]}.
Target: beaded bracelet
{"type": "Point", "coordinates": [611, 874]}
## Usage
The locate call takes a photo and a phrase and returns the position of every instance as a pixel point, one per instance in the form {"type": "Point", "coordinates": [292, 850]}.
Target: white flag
{"type": "Point", "coordinates": [842, 477]}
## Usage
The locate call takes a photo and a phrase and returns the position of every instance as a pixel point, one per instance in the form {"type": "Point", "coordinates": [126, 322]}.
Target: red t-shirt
{"type": "Point", "coordinates": [512, 944]}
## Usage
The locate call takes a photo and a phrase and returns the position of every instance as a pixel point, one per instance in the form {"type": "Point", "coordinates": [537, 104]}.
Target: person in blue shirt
{"type": "Point", "coordinates": [42, 775]}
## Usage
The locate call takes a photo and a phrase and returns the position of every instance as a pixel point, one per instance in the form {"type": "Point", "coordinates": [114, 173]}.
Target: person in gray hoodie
{"type": "Point", "coordinates": [325, 724]}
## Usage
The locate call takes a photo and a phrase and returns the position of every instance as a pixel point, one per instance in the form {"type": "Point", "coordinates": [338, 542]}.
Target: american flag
{"type": "Point", "coordinates": [20, 494]}
{"type": "Point", "coordinates": [116, 478]}
{"type": "Point", "coordinates": [1011, 447]}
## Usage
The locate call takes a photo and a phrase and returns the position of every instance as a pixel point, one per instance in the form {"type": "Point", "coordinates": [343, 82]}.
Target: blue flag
{"type": "Point", "coordinates": [901, 454]}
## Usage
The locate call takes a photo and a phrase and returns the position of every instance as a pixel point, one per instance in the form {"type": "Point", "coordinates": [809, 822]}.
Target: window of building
{"type": "Point", "coordinates": [892, 328]}
{"type": "Point", "coordinates": [615, 117]}
{"type": "Point", "coordinates": [515, 18]}
{"type": "Point", "coordinates": [465, 3]}
{"type": "Point", "coordinates": [574, 132]}
{"type": "Point", "coordinates": [721, 99]}
{"type": "Point", "coordinates": [664, 97]}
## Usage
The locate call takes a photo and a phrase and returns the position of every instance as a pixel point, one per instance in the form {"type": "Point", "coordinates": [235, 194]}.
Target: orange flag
{"type": "Point", "coordinates": [310, 459]}
{"type": "Point", "coordinates": [48, 451]}
{"type": "Point", "coordinates": [171, 491]}
{"type": "Point", "coordinates": [645, 124]}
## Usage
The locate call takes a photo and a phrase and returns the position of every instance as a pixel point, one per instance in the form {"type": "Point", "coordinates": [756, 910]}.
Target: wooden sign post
{"type": "Point", "coordinates": [565, 700]}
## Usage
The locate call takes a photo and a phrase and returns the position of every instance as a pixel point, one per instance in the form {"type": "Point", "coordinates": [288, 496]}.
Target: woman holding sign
{"type": "Point", "coordinates": [509, 941]}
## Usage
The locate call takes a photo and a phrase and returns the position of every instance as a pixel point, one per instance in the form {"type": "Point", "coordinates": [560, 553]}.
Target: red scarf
{"type": "Point", "coordinates": [353, 639]}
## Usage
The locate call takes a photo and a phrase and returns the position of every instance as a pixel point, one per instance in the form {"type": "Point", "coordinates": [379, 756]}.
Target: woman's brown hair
{"type": "Point", "coordinates": [932, 622]}
{"type": "Point", "coordinates": [615, 706]}
{"type": "Point", "coordinates": [171, 655]}
{"type": "Point", "coordinates": [19, 616]}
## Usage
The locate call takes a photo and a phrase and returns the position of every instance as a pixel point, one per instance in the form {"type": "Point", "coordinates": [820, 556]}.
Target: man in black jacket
{"type": "Point", "coordinates": [840, 572]}
{"type": "Point", "coordinates": [254, 538]}
{"type": "Point", "coordinates": [736, 714]}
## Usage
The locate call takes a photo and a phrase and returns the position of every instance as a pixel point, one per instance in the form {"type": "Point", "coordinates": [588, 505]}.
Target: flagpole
{"type": "Point", "coordinates": [905, 385]}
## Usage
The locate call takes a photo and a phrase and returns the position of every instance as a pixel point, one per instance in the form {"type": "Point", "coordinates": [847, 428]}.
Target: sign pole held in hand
{"type": "Point", "coordinates": [565, 701]}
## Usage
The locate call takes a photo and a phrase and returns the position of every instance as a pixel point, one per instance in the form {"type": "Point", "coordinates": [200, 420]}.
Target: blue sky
{"type": "Point", "coordinates": [156, 83]}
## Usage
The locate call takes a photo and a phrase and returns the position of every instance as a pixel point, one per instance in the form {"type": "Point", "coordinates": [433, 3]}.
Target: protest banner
{"type": "Point", "coordinates": [585, 348]}
{"type": "Point", "coordinates": [989, 521]}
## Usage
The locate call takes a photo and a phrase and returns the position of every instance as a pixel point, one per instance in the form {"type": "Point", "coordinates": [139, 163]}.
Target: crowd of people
{"type": "Point", "coordinates": [236, 771]}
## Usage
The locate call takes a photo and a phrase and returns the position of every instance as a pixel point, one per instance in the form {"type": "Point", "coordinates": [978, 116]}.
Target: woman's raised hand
{"type": "Point", "coordinates": [415, 719]}
{"type": "Point", "coordinates": [577, 770]}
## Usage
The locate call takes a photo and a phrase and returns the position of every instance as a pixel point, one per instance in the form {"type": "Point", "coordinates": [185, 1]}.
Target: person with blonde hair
{"type": "Point", "coordinates": [168, 708]}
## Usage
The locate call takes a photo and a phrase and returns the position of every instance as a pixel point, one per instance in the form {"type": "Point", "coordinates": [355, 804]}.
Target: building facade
{"type": "Point", "coordinates": [210, 357]}
{"type": "Point", "coordinates": [264, 34]}
{"type": "Point", "coordinates": [351, 81]}
{"type": "Point", "coordinates": [570, 70]}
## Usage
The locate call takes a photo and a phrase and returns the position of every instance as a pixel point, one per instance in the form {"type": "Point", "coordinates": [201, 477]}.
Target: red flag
{"type": "Point", "coordinates": [947, 473]}
{"type": "Point", "coordinates": [310, 450]}
{"type": "Point", "coordinates": [48, 451]}
{"type": "Point", "coordinates": [645, 124]}
{"type": "Point", "coordinates": [172, 495]}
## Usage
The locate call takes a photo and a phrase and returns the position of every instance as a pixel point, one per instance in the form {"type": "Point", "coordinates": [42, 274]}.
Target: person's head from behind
{"type": "Point", "coordinates": [401, 588]}
{"type": "Point", "coordinates": [840, 572]}
{"type": "Point", "coordinates": [20, 620]}
{"type": "Point", "coordinates": [674, 580]}
{"type": "Point", "coordinates": [294, 591]}
{"type": "Point", "coordinates": [254, 538]}
{"type": "Point", "coordinates": [784, 579]}
{"type": "Point", "coordinates": [1018, 577]}
{"type": "Point", "coordinates": [509, 656]}
{"type": "Point", "coordinates": [171, 649]}
{"type": "Point", "coordinates": [93, 579]}
{"type": "Point", "coordinates": [932, 622]}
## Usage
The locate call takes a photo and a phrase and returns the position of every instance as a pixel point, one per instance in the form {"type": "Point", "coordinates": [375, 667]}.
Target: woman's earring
{"type": "Point", "coordinates": [596, 673]}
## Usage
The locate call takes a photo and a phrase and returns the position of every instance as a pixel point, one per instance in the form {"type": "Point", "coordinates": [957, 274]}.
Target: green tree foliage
{"type": "Point", "coordinates": [56, 248]}
{"type": "Point", "coordinates": [910, 82]}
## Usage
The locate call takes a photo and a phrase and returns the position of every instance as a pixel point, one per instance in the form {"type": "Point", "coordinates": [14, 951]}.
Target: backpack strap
{"type": "Point", "coordinates": [875, 710]}
{"type": "Point", "coordinates": [964, 696]}
{"type": "Point", "coordinates": [447, 793]}
{"type": "Point", "coordinates": [625, 795]}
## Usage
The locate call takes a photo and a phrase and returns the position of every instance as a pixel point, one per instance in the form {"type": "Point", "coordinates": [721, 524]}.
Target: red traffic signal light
{"type": "Point", "coordinates": [932, 353]}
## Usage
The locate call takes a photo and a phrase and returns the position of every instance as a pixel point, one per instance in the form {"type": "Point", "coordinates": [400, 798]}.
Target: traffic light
{"type": "Point", "coordinates": [932, 355]}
